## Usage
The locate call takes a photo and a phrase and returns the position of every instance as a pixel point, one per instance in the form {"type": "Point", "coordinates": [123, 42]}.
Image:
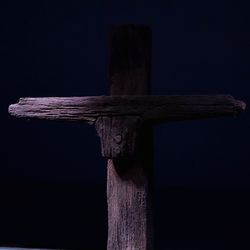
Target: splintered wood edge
{"type": "Point", "coordinates": [149, 108]}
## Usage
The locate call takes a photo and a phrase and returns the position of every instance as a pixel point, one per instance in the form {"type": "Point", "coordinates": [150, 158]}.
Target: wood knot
{"type": "Point", "coordinates": [118, 139]}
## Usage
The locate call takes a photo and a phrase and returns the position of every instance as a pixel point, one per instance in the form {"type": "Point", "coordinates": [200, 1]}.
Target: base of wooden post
{"type": "Point", "coordinates": [129, 221]}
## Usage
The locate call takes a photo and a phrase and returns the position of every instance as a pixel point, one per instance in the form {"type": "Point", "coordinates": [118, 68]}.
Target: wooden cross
{"type": "Point", "coordinates": [123, 121]}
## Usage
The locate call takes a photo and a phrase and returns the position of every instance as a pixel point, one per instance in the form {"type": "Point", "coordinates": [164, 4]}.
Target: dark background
{"type": "Point", "coordinates": [52, 177]}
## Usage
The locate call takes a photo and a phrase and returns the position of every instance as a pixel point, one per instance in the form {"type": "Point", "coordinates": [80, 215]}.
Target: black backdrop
{"type": "Point", "coordinates": [52, 177]}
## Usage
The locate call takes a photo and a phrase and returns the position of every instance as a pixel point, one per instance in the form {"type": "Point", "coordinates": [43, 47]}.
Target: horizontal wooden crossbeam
{"type": "Point", "coordinates": [149, 108]}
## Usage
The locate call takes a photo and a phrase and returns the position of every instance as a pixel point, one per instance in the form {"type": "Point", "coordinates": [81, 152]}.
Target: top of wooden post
{"type": "Point", "coordinates": [130, 60]}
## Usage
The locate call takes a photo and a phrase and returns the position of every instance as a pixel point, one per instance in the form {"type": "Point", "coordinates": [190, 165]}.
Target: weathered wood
{"type": "Point", "coordinates": [129, 179]}
{"type": "Point", "coordinates": [130, 60]}
{"type": "Point", "coordinates": [123, 122]}
{"type": "Point", "coordinates": [118, 135]}
{"type": "Point", "coordinates": [149, 108]}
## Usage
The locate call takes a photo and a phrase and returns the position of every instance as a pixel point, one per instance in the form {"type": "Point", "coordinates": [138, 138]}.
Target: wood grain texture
{"type": "Point", "coordinates": [118, 135]}
{"type": "Point", "coordinates": [129, 179]}
{"type": "Point", "coordinates": [123, 122]}
{"type": "Point", "coordinates": [130, 60]}
{"type": "Point", "coordinates": [149, 108]}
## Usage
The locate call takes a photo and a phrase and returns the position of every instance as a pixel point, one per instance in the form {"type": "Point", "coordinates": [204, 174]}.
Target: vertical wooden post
{"type": "Point", "coordinates": [129, 178]}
